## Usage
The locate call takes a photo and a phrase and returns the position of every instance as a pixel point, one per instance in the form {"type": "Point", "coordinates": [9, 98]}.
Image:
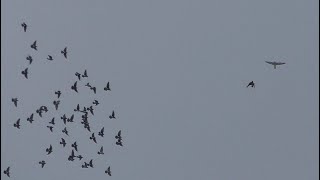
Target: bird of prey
{"type": "Point", "coordinates": [17, 124]}
{"type": "Point", "coordinates": [24, 25]}
{"type": "Point", "coordinates": [112, 116]}
{"type": "Point", "coordinates": [94, 89]}
{"type": "Point", "coordinates": [63, 142]}
{"type": "Point", "coordinates": [52, 121]}
{"type": "Point", "coordinates": [15, 101]}
{"type": "Point", "coordinates": [58, 93]}
{"type": "Point", "coordinates": [118, 136]}
{"type": "Point", "coordinates": [29, 58]}
{"type": "Point", "coordinates": [25, 73]}
{"type": "Point", "coordinates": [101, 150]}
{"type": "Point", "coordinates": [85, 73]}
{"type": "Point", "coordinates": [71, 118]}
{"type": "Point", "coordinates": [90, 109]}
{"type": "Point", "coordinates": [49, 150]}
{"type": "Point", "coordinates": [93, 138]}
{"type": "Point", "coordinates": [88, 85]}
{"type": "Point", "coordinates": [72, 156]}
{"type": "Point", "coordinates": [50, 127]}
{"type": "Point", "coordinates": [101, 133]}
{"type": "Point", "coordinates": [251, 84]}
{"type": "Point", "coordinates": [95, 102]}
{"type": "Point", "coordinates": [7, 171]}
{"type": "Point", "coordinates": [275, 63]}
{"type": "Point", "coordinates": [56, 104]}
{"type": "Point", "coordinates": [34, 45]}
{"type": "Point", "coordinates": [108, 171]}
{"type": "Point", "coordinates": [64, 52]}
{"type": "Point", "coordinates": [78, 75]}
{"type": "Point", "coordinates": [64, 118]}
{"type": "Point", "coordinates": [30, 119]}
{"type": "Point", "coordinates": [74, 87]}
{"type": "Point", "coordinates": [77, 109]}
{"type": "Point", "coordinates": [42, 163]}
{"type": "Point", "coordinates": [107, 88]}
{"type": "Point", "coordinates": [75, 146]}
{"type": "Point", "coordinates": [80, 157]}
{"type": "Point", "coordinates": [65, 131]}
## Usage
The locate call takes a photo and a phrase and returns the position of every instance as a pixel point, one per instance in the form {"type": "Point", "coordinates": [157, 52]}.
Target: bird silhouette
{"type": "Point", "coordinates": [71, 118]}
{"type": "Point", "coordinates": [251, 84]}
{"type": "Point", "coordinates": [64, 118]}
{"type": "Point", "coordinates": [77, 109]}
{"type": "Point", "coordinates": [24, 25]}
{"type": "Point", "coordinates": [90, 109]}
{"type": "Point", "coordinates": [49, 150]}
{"type": "Point", "coordinates": [94, 89]}
{"type": "Point", "coordinates": [49, 58]}
{"type": "Point", "coordinates": [42, 163]}
{"type": "Point", "coordinates": [15, 101]}
{"type": "Point", "coordinates": [58, 93]}
{"type": "Point", "coordinates": [52, 121]}
{"type": "Point", "coordinates": [29, 58]}
{"type": "Point", "coordinates": [118, 136]}
{"type": "Point", "coordinates": [95, 102]}
{"type": "Point", "coordinates": [112, 116]}
{"type": "Point", "coordinates": [30, 119]}
{"type": "Point", "coordinates": [64, 52]}
{"type": "Point", "coordinates": [107, 88]}
{"type": "Point", "coordinates": [101, 151]}
{"type": "Point", "coordinates": [85, 165]}
{"type": "Point", "coordinates": [39, 112]}
{"type": "Point", "coordinates": [74, 87]}
{"type": "Point", "coordinates": [65, 131]}
{"type": "Point", "coordinates": [34, 45]}
{"type": "Point", "coordinates": [80, 157]}
{"type": "Point", "coordinates": [50, 127]}
{"type": "Point", "coordinates": [101, 133]}
{"type": "Point", "coordinates": [56, 104]}
{"type": "Point", "coordinates": [108, 171]}
{"type": "Point", "coordinates": [7, 171]}
{"type": "Point", "coordinates": [85, 74]}
{"type": "Point", "coordinates": [75, 146]}
{"type": "Point", "coordinates": [90, 163]}
{"type": "Point", "coordinates": [93, 138]}
{"type": "Point", "coordinates": [78, 75]}
{"type": "Point", "coordinates": [25, 73]}
{"type": "Point", "coordinates": [72, 156]}
{"type": "Point", "coordinates": [17, 124]}
{"type": "Point", "coordinates": [63, 142]}
{"type": "Point", "coordinates": [119, 142]}
{"type": "Point", "coordinates": [43, 108]}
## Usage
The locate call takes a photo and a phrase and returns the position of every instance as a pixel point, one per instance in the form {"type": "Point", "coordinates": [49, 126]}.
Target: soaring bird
{"type": "Point", "coordinates": [112, 116]}
{"type": "Point", "coordinates": [275, 63]}
{"type": "Point", "coordinates": [101, 133]}
{"type": "Point", "coordinates": [107, 88]}
{"type": "Point", "coordinates": [56, 104]}
{"type": "Point", "coordinates": [74, 87]}
{"type": "Point", "coordinates": [65, 131]}
{"type": "Point", "coordinates": [93, 138]}
{"type": "Point", "coordinates": [15, 101]}
{"type": "Point", "coordinates": [42, 163]}
{"type": "Point", "coordinates": [75, 146]}
{"type": "Point", "coordinates": [85, 73]}
{"type": "Point", "coordinates": [251, 84]}
{"type": "Point", "coordinates": [63, 142]}
{"type": "Point", "coordinates": [30, 119]}
{"type": "Point", "coordinates": [64, 52]}
{"type": "Point", "coordinates": [50, 127]}
{"type": "Point", "coordinates": [24, 25]}
{"type": "Point", "coordinates": [49, 150]}
{"type": "Point", "coordinates": [7, 171]}
{"type": "Point", "coordinates": [101, 150]}
{"type": "Point", "coordinates": [108, 171]}
{"type": "Point", "coordinates": [49, 58]}
{"type": "Point", "coordinates": [25, 73]}
{"type": "Point", "coordinates": [58, 93]}
{"type": "Point", "coordinates": [29, 58]}
{"type": "Point", "coordinates": [17, 124]}
{"type": "Point", "coordinates": [34, 45]}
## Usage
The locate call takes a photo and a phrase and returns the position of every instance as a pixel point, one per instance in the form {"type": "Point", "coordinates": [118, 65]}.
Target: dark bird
{"type": "Point", "coordinates": [112, 116]}
{"type": "Point", "coordinates": [72, 156]}
{"type": "Point", "coordinates": [64, 52]}
{"type": "Point", "coordinates": [7, 171]}
{"type": "Point", "coordinates": [39, 112]}
{"type": "Point", "coordinates": [50, 127]}
{"type": "Point", "coordinates": [58, 93]}
{"type": "Point", "coordinates": [63, 142]}
{"type": "Point", "coordinates": [29, 58]}
{"type": "Point", "coordinates": [71, 118]}
{"type": "Point", "coordinates": [80, 157]}
{"type": "Point", "coordinates": [101, 150]}
{"type": "Point", "coordinates": [44, 108]}
{"type": "Point", "coordinates": [34, 45]}
{"type": "Point", "coordinates": [78, 108]}
{"type": "Point", "coordinates": [85, 165]}
{"type": "Point", "coordinates": [42, 163]}
{"type": "Point", "coordinates": [88, 85]}
{"type": "Point", "coordinates": [85, 74]}
{"type": "Point", "coordinates": [49, 150]}
{"type": "Point", "coordinates": [93, 138]}
{"type": "Point", "coordinates": [90, 163]}
{"type": "Point", "coordinates": [74, 87]}
{"type": "Point", "coordinates": [56, 104]}
{"type": "Point", "coordinates": [30, 119]}
{"type": "Point", "coordinates": [95, 102]}
{"type": "Point", "coordinates": [15, 101]}
{"type": "Point", "coordinates": [52, 121]}
{"type": "Point", "coordinates": [25, 73]}
{"type": "Point", "coordinates": [108, 171]}
{"type": "Point", "coordinates": [251, 84]}
{"type": "Point", "coordinates": [17, 124]}
{"type": "Point", "coordinates": [118, 136]}
{"type": "Point", "coordinates": [101, 133]}
{"type": "Point", "coordinates": [49, 58]}
{"type": "Point", "coordinates": [107, 88]}
{"type": "Point", "coordinates": [90, 109]}
{"type": "Point", "coordinates": [65, 131]}
{"type": "Point", "coordinates": [24, 25]}
{"type": "Point", "coordinates": [78, 75]}
{"type": "Point", "coordinates": [75, 146]}
{"type": "Point", "coordinates": [94, 89]}
{"type": "Point", "coordinates": [119, 142]}
{"type": "Point", "coordinates": [64, 118]}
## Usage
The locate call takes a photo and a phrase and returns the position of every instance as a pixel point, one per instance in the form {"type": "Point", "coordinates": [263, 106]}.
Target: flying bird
{"type": "Point", "coordinates": [101, 133]}
{"type": "Point", "coordinates": [94, 89]}
{"type": "Point", "coordinates": [72, 156]}
{"type": "Point", "coordinates": [71, 118]}
{"type": "Point", "coordinates": [95, 102]}
{"type": "Point", "coordinates": [7, 171]}
{"type": "Point", "coordinates": [42, 163]}
{"type": "Point", "coordinates": [65, 131]}
{"type": "Point", "coordinates": [17, 124]}
{"type": "Point", "coordinates": [74, 87]}
{"type": "Point", "coordinates": [58, 93]}
{"type": "Point", "coordinates": [75, 146]}
{"type": "Point", "coordinates": [15, 101]}
{"type": "Point", "coordinates": [80, 157]}
{"type": "Point", "coordinates": [63, 142]}
{"type": "Point", "coordinates": [78, 75]}
{"type": "Point", "coordinates": [251, 84]}
{"type": "Point", "coordinates": [64, 118]}
{"type": "Point", "coordinates": [107, 88]}
{"type": "Point", "coordinates": [25, 73]}
{"type": "Point", "coordinates": [52, 121]}
{"type": "Point", "coordinates": [101, 151]}
{"type": "Point", "coordinates": [88, 85]}
{"type": "Point", "coordinates": [49, 150]}
{"type": "Point", "coordinates": [29, 58]}
{"type": "Point", "coordinates": [49, 58]}
{"type": "Point", "coordinates": [56, 104]}
{"type": "Point", "coordinates": [90, 109]}
{"type": "Point", "coordinates": [93, 138]}
{"type": "Point", "coordinates": [50, 127]}
{"type": "Point", "coordinates": [34, 45]}
{"type": "Point", "coordinates": [118, 136]}
{"type": "Point", "coordinates": [64, 52]}
{"type": "Point", "coordinates": [24, 25]}
{"type": "Point", "coordinates": [39, 112]}
{"type": "Point", "coordinates": [85, 74]}
{"type": "Point", "coordinates": [275, 64]}
{"type": "Point", "coordinates": [119, 142]}
{"type": "Point", "coordinates": [112, 116]}
{"type": "Point", "coordinates": [30, 119]}
{"type": "Point", "coordinates": [108, 171]}
{"type": "Point", "coordinates": [77, 109]}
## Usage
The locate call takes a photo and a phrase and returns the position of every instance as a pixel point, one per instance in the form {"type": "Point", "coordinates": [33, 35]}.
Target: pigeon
{"type": "Point", "coordinates": [112, 116]}
{"type": "Point", "coordinates": [64, 118]}
{"type": "Point", "coordinates": [118, 136]}
{"type": "Point", "coordinates": [101, 133]}
{"type": "Point", "coordinates": [93, 138]}
{"type": "Point", "coordinates": [52, 121]}
{"type": "Point", "coordinates": [7, 171]}
{"type": "Point", "coordinates": [58, 93]}
{"type": "Point", "coordinates": [108, 171]}
{"type": "Point", "coordinates": [88, 85]}
{"type": "Point", "coordinates": [119, 143]}
{"type": "Point", "coordinates": [44, 108]}
{"type": "Point", "coordinates": [49, 150]}
{"type": "Point", "coordinates": [251, 84]}
{"type": "Point", "coordinates": [95, 102]}
{"type": "Point", "coordinates": [39, 112]}
{"type": "Point", "coordinates": [101, 150]}
{"type": "Point", "coordinates": [75, 146]}
{"type": "Point", "coordinates": [29, 58]}
{"type": "Point", "coordinates": [90, 163]}
{"type": "Point", "coordinates": [65, 131]}
{"type": "Point", "coordinates": [42, 163]}
{"type": "Point", "coordinates": [90, 109]}
{"type": "Point", "coordinates": [85, 74]}
{"type": "Point", "coordinates": [17, 124]}
{"type": "Point", "coordinates": [78, 75]}
{"type": "Point", "coordinates": [94, 89]}
{"type": "Point", "coordinates": [49, 58]}
{"type": "Point", "coordinates": [64, 52]}
{"type": "Point", "coordinates": [30, 119]}
{"type": "Point", "coordinates": [78, 108]}
{"type": "Point", "coordinates": [25, 73]}
{"type": "Point", "coordinates": [56, 104]}
{"type": "Point", "coordinates": [107, 88]}
{"type": "Point", "coordinates": [63, 142]}
{"type": "Point", "coordinates": [15, 101]}
{"type": "Point", "coordinates": [50, 127]}
{"type": "Point", "coordinates": [74, 87]}
{"type": "Point", "coordinates": [34, 45]}
{"type": "Point", "coordinates": [71, 118]}
{"type": "Point", "coordinates": [72, 156]}
{"type": "Point", "coordinates": [24, 25]}
{"type": "Point", "coordinates": [80, 157]}
{"type": "Point", "coordinates": [85, 165]}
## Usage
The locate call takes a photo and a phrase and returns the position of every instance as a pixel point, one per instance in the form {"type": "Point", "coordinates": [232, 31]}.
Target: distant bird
{"type": "Point", "coordinates": [30, 119]}
{"type": "Point", "coordinates": [25, 73]}
{"type": "Point", "coordinates": [64, 52]}
{"type": "Point", "coordinates": [74, 87]}
{"type": "Point", "coordinates": [94, 89]}
{"type": "Point", "coordinates": [29, 58]}
{"type": "Point", "coordinates": [90, 109]}
{"type": "Point", "coordinates": [101, 133]}
{"type": "Point", "coordinates": [93, 138]}
{"type": "Point", "coordinates": [64, 118]}
{"type": "Point", "coordinates": [88, 85]}
{"type": "Point", "coordinates": [95, 102]}
{"type": "Point", "coordinates": [58, 93]}
{"type": "Point", "coordinates": [7, 171]}
{"type": "Point", "coordinates": [72, 156]}
{"type": "Point", "coordinates": [42, 163]}
{"type": "Point", "coordinates": [85, 74]}
{"type": "Point", "coordinates": [15, 101]}
{"type": "Point", "coordinates": [63, 142]}
{"type": "Point", "coordinates": [65, 131]}
{"type": "Point", "coordinates": [49, 150]}
{"type": "Point", "coordinates": [107, 88]}
{"type": "Point", "coordinates": [112, 116]}
{"type": "Point", "coordinates": [44, 108]}
{"type": "Point", "coordinates": [118, 136]}
{"type": "Point", "coordinates": [78, 75]}
{"type": "Point", "coordinates": [49, 58]}
{"type": "Point", "coordinates": [108, 171]}
{"type": "Point", "coordinates": [17, 124]}
{"type": "Point", "coordinates": [34, 45]}
{"type": "Point", "coordinates": [251, 84]}
{"type": "Point", "coordinates": [56, 104]}
{"type": "Point", "coordinates": [101, 150]}
{"type": "Point", "coordinates": [75, 146]}
{"type": "Point", "coordinates": [80, 157]}
{"type": "Point", "coordinates": [71, 118]}
{"type": "Point", "coordinates": [90, 163]}
{"type": "Point", "coordinates": [85, 165]}
{"type": "Point", "coordinates": [77, 109]}
{"type": "Point", "coordinates": [24, 25]}
{"type": "Point", "coordinates": [119, 142]}
{"type": "Point", "coordinates": [52, 121]}
{"type": "Point", "coordinates": [50, 127]}
{"type": "Point", "coordinates": [39, 112]}
{"type": "Point", "coordinates": [275, 63]}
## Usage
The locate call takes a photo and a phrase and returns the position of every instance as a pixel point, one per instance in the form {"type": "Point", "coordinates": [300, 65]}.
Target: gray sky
{"type": "Point", "coordinates": [178, 71]}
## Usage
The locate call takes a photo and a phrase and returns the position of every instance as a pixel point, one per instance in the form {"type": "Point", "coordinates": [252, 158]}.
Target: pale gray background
{"type": "Point", "coordinates": [178, 71]}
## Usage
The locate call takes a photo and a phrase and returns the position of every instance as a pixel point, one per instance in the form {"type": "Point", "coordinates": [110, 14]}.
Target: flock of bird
{"type": "Point", "coordinates": [84, 111]}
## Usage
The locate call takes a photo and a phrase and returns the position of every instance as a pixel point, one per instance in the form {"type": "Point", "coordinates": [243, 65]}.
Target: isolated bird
{"type": "Point", "coordinates": [50, 127]}
{"type": "Point", "coordinates": [52, 121]}
{"type": "Point", "coordinates": [93, 138]}
{"type": "Point", "coordinates": [49, 150]}
{"type": "Point", "coordinates": [64, 52]}
{"type": "Point", "coordinates": [107, 88]}
{"type": "Point", "coordinates": [65, 131]}
{"type": "Point", "coordinates": [101, 133]}
{"type": "Point", "coordinates": [17, 124]}
{"type": "Point", "coordinates": [108, 171]}
{"type": "Point", "coordinates": [15, 101]}
{"type": "Point", "coordinates": [30, 119]}
{"type": "Point", "coordinates": [94, 89]}
{"type": "Point", "coordinates": [275, 63]}
{"type": "Point", "coordinates": [56, 104]}
{"type": "Point", "coordinates": [74, 87]}
{"type": "Point", "coordinates": [251, 84]}
{"type": "Point", "coordinates": [64, 118]}
{"type": "Point", "coordinates": [25, 73]}
{"type": "Point", "coordinates": [75, 146]}
{"type": "Point", "coordinates": [95, 102]}
{"type": "Point", "coordinates": [7, 171]}
{"type": "Point", "coordinates": [112, 116]}
{"type": "Point", "coordinates": [42, 163]}
{"type": "Point", "coordinates": [58, 93]}
{"type": "Point", "coordinates": [78, 75]}
{"type": "Point", "coordinates": [24, 25]}
{"type": "Point", "coordinates": [101, 150]}
{"type": "Point", "coordinates": [63, 142]}
{"type": "Point", "coordinates": [34, 45]}
{"type": "Point", "coordinates": [85, 74]}
{"type": "Point", "coordinates": [71, 118]}
{"type": "Point", "coordinates": [29, 58]}
{"type": "Point", "coordinates": [49, 58]}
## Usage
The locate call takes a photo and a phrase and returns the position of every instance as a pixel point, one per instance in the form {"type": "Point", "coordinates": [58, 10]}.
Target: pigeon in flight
{"type": "Point", "coordinates": [90, 109]}
{"type": "Point", "coordinates": [65, 131]}
{"type": "Point", "coordinates": [34, 45]}
{"type": "Point", "coordinates": [101, 133]}
{"type": "Point", "coordinates": [77, 109]}
{"type": "Point", "coordinates": [107, 88]}
{"type": "Point", "coordinates": [64, 118]}
{"type": "Point", "coordinates": [80, 157]}
{"type": "Point", "coordinates": [29, 58]}
{"type": "Point", "coordinates": [25, 73]}
{"type": "Point", "coordinates": [49, 150]}
{"type": "Point", "coordinates": [94, 89]}
{"type": "Point", "coordinates": [78, 75]}
{"type": "Point", "coordinates": [30, 119]}
{"type": "Point", "coordinates": [85, 74]}
{"type": "Point", "coordinates": [119, 142]}
{"type": "Point", "coordinates": [17, 124]}
{"type": "Point", "coordinates": [251, 84]}
{"type": "Point", "coordinates": [71, 118]}
{"type": "Point", "coordinates": [112, 116]}
{"type": "Point", "coordinates": [118, 136]}
{"type": "Point", "coordinates": [72, 156]}
{"type": "Point", "coordinates": [44, 108]}
{"type": "Point", "coordinates": [63, 142]}
{"type": "Point", "coordinates": [74, 87]}
{"type": "Point", "coordinates": [58, 93]}
{"type": "Point", "coordinates": [85, 165]}
{"type": "Point", "coordinates": [52, 121]}
{"type": "Point", "coordinates": [56, 104]}
{"type": "Point", "coordinates": [93, 138]}
{"type": "Point", "coordinates": [49, 58]}
{"type": "Point", "coordinates": [108, 171]}
{"type": "Point", "coordinates": [95, 102]}
{"type": "Point", "coordinates": [24, 25]}
{"type": "Point", "coordinates": [64, 52]}
{"type": "Point", "coordinates": [75, 146]}
{"type": "Point", "coordinates": [275, 63]}
{"type": "Point", "coordinates": [42, 163]}
{"type": "Point", "coordinates": [90, 163]}
{"type": "Point", "coordinates": [15, 101]}
{"type": "Point", "coordinates": [50, 127]}
{"type": "Point", "coordinates": [101, 151]}
{"type": "Point", "coordinates": [7, 171]}
{"type": "Point", "coordinates": [88, 85]}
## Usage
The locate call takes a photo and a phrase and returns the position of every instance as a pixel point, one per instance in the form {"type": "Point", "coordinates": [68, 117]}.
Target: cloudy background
{"type": "Point", "coordinates": [178, 71]}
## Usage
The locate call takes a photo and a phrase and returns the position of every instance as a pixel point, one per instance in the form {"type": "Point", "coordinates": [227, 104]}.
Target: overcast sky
{"type": "Point", "coordinates": [178, 71]}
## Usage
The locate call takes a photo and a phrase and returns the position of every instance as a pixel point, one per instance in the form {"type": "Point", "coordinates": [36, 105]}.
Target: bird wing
{"type": "Point", "coordinates": [270, 62]}
{"type": "Point", "coordinates": [279, 63]}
